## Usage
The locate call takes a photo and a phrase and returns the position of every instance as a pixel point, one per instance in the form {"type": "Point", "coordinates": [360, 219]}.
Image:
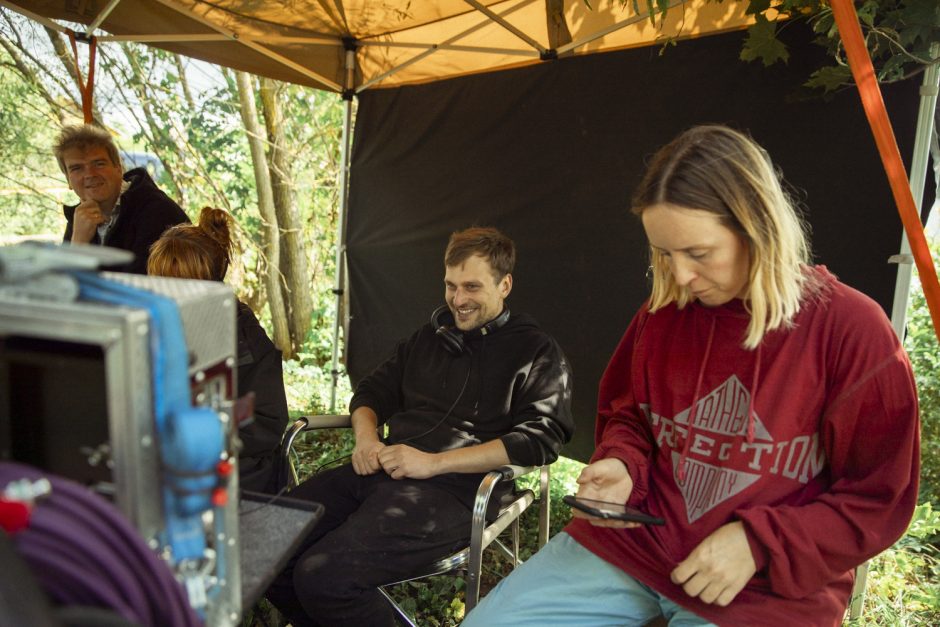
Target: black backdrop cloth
{"type": "Point", "coordinates": [550, 155]}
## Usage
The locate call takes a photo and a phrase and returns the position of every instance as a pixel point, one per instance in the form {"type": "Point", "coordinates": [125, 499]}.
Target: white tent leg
{"type": "Point", "coordinates": [904, 259]}
{"type": "Point", "coordinates": [339, 283]}
{"type": "Point", "coordinates": [925, 118]}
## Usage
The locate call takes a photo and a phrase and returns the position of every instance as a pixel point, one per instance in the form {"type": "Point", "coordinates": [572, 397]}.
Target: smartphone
{"type": "Point", "coordinates": [613, 511]}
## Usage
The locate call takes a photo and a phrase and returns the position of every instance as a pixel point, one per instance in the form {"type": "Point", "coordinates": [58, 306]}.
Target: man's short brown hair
{"type": "Point", "coordinates": [83, 137]}
{"type": "Point", "coordinates": [489, 243]}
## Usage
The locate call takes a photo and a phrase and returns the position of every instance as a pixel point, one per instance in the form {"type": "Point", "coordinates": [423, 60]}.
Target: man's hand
{"type": "Point", "coordinates": [605, 480]}
{"type": "Point", "coordinates": [401, 461]}
{"type": "Point", "coordinates": [719, 567]}
{"type": "Point", "coordinates": [365, 456]}
{"type": "Point", "coordinates": [88, 216]}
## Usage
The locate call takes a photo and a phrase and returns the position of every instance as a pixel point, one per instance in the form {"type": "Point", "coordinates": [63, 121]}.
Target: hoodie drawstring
{"type": "Point", "coordinates": [683, 457]}
{"type": "Point", "coordinates": [750, 401]}
{"type": "Point", "coordinates": [751, 421]}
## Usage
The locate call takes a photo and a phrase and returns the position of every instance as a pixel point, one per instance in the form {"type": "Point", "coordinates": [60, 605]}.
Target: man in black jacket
{"type": "Point", "coordinates": [474, 390]}
{"type": "Point", "coordinates": [118, 209]}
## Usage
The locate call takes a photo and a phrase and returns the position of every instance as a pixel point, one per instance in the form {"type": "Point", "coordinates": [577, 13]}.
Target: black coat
{"type": "Point", "coordinates": [146, 212]}
{"type": "Point", "coordinates": [513, 384]}
{"type": "Point", "coordinates": [259, 371]}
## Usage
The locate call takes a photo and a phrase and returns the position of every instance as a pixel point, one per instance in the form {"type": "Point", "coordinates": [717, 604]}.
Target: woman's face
{"type": "Point", "coordinates": [705, 256]}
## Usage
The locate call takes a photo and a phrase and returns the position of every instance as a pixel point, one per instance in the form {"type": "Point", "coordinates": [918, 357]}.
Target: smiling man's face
{"type": "Point", "coordinates": [93, 176]}
{"type": "Point", "coordinates": [473, 294]}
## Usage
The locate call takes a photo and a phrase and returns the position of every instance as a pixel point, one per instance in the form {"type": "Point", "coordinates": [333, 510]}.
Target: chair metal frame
{"type": "Point", "coordinates": [482, 535]}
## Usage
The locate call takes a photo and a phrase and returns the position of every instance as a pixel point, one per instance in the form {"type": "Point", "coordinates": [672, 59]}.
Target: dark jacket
{"type": "Point", "coordinates": [259, 371]}
{"type": "Point", "coordinates": [513, 384]}
{"type": "Point", "coordinates": [146, 212]}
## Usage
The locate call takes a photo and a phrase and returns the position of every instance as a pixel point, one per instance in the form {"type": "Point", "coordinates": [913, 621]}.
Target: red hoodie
{"type": "Point", "coordinates": [812, 440]}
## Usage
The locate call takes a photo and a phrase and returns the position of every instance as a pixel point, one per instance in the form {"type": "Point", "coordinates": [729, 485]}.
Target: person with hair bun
{"type": "Point", "coordinates": [765, 411]}
{"type": "Point", "coordinates": [204, 251]}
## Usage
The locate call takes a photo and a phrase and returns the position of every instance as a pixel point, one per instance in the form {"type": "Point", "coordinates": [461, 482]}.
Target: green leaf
{"type": "Point", "coordinates": [893, 69]}
{"type": "Point", "coordinates": [867, 12]}
{"type": "Point", "coordinates": [824, 25]}
{"type": "Point", "coordinates": [830, 78]}
{"type": "Point", "coordinates": [762, 43]}
{"type": "Point", "coordinates": [918, 20]}
{"type": "Point", "coordinates": [920, 12]}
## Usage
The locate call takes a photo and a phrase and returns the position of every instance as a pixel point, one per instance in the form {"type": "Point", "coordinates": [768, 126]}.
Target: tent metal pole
{"type": "Point", "coordinates": [339, 283]}
{"type": "Point", "coordinates": [435, 47]}
{"type": "Point", "coordinates": [101, 17]}
{"type": "Point", "coordinates": [456, 47]}
{"type": "Point", "coordinates": [170, 37]}
{"type": "Point", "coordinates": [202, 19]}
{"type": "Point", "coordinates": [904, 259]}
{"type": "Point", "coordinates": [925, 127]}
{"type": "Point", "coordinates": [610, 29]}
{"type": "Point", "coordinates": [512, 29]}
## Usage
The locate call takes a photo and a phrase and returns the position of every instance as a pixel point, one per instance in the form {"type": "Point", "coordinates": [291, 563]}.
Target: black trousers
{"type": "Point", "coordinates": [375, 530]}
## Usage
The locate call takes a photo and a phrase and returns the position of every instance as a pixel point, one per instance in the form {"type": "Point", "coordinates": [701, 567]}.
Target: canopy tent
{"type": "Point", "coordinates": [397, 42]}
{"type": "Point", "coordinates": [417, 131]}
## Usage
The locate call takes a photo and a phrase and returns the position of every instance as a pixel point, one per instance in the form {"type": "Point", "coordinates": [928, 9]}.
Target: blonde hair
{"type": "Point", "coordinates": [195, 251]}
{"type": "Point", "coordinates": [719, 170]}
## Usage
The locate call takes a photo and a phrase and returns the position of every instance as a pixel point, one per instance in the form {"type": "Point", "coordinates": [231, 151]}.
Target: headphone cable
{"type": "Point", "coordinates": [463, 388]}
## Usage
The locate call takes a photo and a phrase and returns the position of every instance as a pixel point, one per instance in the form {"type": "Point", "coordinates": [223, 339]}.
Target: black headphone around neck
{"type": "Point", "coordinates": [452, 338]}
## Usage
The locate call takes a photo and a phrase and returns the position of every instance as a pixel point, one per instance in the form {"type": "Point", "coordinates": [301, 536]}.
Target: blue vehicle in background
{"type": "Point", "coordinates": [146, 160]}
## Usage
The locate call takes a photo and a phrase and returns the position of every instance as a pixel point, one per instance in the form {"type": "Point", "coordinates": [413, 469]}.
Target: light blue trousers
{"type": "Point", "coordinates": [564, 584]}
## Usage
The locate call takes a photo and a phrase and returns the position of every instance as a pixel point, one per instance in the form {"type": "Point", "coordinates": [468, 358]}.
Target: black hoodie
{"type": "Point", "coordinates": [513, 383]}
{"type": "Point", "coordinates": [146, 212]}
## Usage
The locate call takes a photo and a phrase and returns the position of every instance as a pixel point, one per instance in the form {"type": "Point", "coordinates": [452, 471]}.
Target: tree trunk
{"type": "Point", "coordinates": [271, 238]}
{"type": "Point", "coordinates": [184, 82]}
{"type": "Point", "coordinates": [297, 290]}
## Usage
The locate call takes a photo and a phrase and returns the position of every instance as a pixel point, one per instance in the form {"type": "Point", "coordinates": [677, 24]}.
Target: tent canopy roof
{"type": "Point", "coordinates": [398, 42]}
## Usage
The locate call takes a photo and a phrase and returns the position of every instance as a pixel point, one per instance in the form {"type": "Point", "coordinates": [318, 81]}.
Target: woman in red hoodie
{"type": "Point", "coordinates": [763, 409]}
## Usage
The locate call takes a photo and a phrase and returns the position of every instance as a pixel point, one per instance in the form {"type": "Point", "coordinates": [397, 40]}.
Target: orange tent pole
{"type": "Point", "coordinates": [864, 73]}
{"type": "Point", "coordinates": [87, 88]}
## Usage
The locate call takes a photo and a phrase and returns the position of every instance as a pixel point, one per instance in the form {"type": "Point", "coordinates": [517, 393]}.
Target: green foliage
{"type": "Point", "coordinates": [924, 352]}
{"type": "Point", "coordinates": [898, 33]}
{"type": "Point", "coordinates": [830, 78]}
{"type": "Point", "coordinates": [762, 43]}
{"type": "Point", "coordinates": [31, 185]}
{"type": "Point", "coordinates": [904, 581]}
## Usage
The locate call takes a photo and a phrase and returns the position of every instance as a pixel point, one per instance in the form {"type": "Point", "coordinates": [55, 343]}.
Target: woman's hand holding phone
{"type": "Point", "coordinates": [611, 511]}
{"type": "Point", "coordinates": [605, 480]}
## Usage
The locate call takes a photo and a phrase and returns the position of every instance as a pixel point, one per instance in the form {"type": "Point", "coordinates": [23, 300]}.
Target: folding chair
{"type": "Point", "coordinates": [482, 535]}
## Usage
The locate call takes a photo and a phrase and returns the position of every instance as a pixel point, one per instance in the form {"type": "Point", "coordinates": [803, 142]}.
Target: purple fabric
{"type": "Point", "coordinates": [83, 551]}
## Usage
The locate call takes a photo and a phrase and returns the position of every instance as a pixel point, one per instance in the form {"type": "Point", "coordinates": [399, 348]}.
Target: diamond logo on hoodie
{"type": "Point", "coordinates": [722, 413]}
{"type": "Point", "coordinates": [706, 486]}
